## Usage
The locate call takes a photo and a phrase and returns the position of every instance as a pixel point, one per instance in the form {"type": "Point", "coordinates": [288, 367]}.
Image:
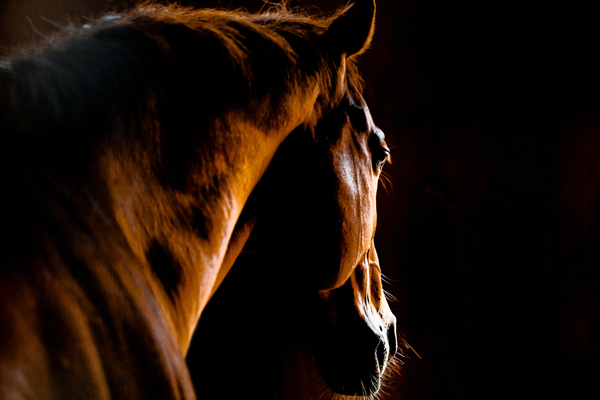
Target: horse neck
{"type": "Point", "coordinates": [178, 233]}
{"type": "Point", "coordinates": [176, 236]}
{"type": "Point", "coordinates": [183, 233]}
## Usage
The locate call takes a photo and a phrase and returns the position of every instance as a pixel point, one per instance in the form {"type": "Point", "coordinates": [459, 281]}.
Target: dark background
{"type": "Point", "coordinates": [489, 230]}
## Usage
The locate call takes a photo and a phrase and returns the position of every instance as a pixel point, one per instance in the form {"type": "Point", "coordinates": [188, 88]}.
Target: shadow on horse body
{"type": "Point", "coordinates": [307, 286]}
{"type": "Point", "coordinates": [135, 143]}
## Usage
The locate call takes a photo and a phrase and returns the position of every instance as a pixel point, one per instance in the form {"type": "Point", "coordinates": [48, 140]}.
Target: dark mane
{"type": "Point", "coordinates": [124, 66]}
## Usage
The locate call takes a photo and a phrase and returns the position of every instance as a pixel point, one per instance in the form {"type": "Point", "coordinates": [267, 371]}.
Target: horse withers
{"type": "Point", "coordinates": [132, 144]}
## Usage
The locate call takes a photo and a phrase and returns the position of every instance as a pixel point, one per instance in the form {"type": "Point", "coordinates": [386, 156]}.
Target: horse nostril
{"type": "Point", "coordinates": [392, 339]}
{"type": "Point", "coordinates": [381, 354]}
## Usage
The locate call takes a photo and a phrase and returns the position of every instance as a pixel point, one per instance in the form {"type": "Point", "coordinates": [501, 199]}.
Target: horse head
{"type": "Point", "coordinates": [317, 222]}
{"type": "Point", "coordinates": [318, 232]}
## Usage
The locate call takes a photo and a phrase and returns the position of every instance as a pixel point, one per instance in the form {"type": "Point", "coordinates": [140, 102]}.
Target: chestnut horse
{"type": "Point", "coordinates": [306, 293]}
{"type": "Point", "coordinates": [134, 144]}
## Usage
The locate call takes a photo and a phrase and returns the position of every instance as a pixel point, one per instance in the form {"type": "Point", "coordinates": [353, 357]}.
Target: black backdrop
{"type": "Point", "coordinates": [489, 230]}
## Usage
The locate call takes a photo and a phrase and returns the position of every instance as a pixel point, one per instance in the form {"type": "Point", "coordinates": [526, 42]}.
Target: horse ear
{"type": "Point", "coordinates": [351, 32]}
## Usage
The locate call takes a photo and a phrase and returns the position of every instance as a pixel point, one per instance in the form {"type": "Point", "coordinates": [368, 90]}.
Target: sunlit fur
{"type": "Point", "coordinates": [132, 146]}
{"type": "Point", "coordinates": [327, 174]}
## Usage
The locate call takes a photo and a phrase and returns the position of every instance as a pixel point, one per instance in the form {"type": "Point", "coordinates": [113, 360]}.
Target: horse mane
{"type": "Point", "coordinates": [139, 74]}
{"type": "Point", "coordinates": [122, 65]}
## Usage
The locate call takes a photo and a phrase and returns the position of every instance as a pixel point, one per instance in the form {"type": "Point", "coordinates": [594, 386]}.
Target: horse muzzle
{"type": "Point", "coordinates": [352, 356]}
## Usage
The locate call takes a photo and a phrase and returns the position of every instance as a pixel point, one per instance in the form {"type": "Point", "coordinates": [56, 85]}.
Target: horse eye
{"type": "Point", "coordinates": [383, 157]}
{"type": "Point", "coordinates": [379, 150]}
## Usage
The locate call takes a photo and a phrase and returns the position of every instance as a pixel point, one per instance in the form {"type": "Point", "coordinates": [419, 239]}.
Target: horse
{"type": "Point", "coordinates": [304, 305]}
{"type": "Point", "coordinates": [134, 143]}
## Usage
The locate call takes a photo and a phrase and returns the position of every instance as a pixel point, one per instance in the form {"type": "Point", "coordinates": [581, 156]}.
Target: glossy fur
{"type": "Point", "coordinates": [312, 248]}
{"type": "Point", "coordinates": [135, 143]}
